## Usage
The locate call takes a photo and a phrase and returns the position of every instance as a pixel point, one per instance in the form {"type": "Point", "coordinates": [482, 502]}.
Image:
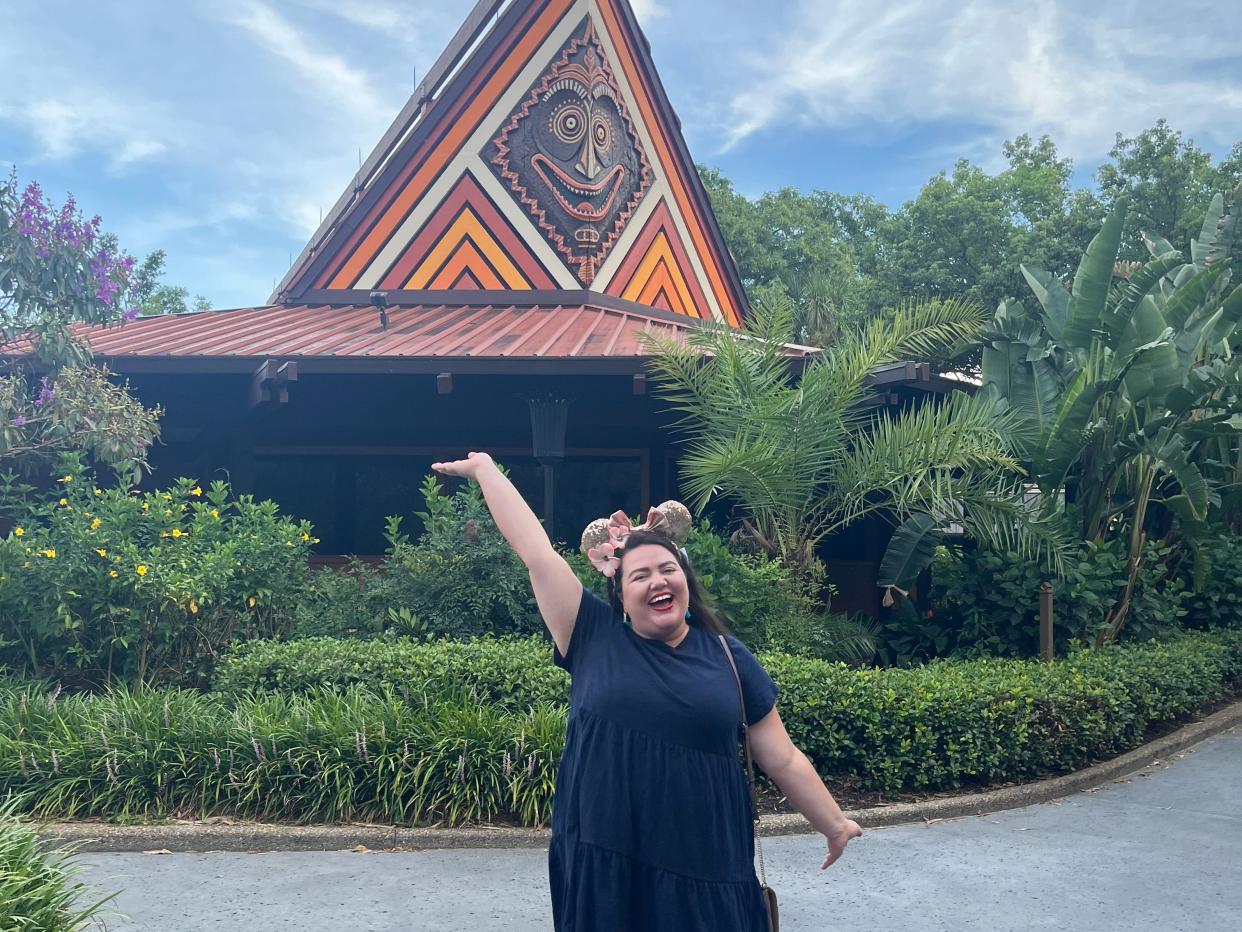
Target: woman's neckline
{"type": "Point", "coordinates": [662, 643]}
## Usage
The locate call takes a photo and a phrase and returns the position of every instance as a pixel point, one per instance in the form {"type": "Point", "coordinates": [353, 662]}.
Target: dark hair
{"type": "Point", "coordinates": [703, 611]}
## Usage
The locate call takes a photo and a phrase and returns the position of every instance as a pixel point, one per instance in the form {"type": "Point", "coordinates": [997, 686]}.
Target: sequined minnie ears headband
{"type": "Point", "coordinates": [604, 538]}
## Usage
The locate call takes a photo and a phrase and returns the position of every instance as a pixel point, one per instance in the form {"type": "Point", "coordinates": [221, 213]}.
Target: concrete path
{"type": "Point", "coordinates": [1158, 851]}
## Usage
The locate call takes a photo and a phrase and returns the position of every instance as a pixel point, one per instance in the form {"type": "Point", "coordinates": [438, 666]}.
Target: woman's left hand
{"type": "Point", "coordinates": [838, 839]}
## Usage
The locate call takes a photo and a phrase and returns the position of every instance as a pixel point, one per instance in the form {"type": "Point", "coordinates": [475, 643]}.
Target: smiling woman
{"type": "Point", "coordinates": [652, 815]}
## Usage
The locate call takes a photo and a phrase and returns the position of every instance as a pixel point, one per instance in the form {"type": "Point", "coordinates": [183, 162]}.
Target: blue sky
{"type": "Point", "coordinates": [218, 129]}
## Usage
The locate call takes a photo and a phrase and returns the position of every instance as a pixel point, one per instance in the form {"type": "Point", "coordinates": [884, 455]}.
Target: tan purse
{"type": "Point", "coordinates": [769, 895]}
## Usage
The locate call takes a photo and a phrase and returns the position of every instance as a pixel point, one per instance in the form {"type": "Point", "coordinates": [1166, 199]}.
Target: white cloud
{"type": "Point", "coordinates": [1050, 68]}
{"type": "Point", "coordinates": [65, 119]}
{"type": "Point", "coordinates": [647, 10]}
{"type": "Point", "coordinates": [325, 73]}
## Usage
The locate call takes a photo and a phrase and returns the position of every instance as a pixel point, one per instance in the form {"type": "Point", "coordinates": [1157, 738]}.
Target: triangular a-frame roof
{"type": "Point", "coordinates": [539, 156]}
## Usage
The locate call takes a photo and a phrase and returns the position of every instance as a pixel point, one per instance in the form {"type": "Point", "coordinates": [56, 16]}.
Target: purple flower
{"type": "Point", "coordinates": [19, 421]}
{"type": "Point", "coordinates": [46, 393]}
{"type": "Point", "coordinates": [131, 314]}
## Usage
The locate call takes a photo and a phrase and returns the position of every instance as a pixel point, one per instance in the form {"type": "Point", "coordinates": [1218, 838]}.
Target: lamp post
{"type": "Point", "coordinates": [548, 416]}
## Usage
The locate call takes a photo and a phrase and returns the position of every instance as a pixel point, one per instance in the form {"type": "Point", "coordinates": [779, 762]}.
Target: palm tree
{"type": "Point", "coordinates": [805, 456]}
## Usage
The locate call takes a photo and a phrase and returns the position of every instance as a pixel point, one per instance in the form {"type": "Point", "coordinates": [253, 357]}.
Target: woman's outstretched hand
{"type": "Point", "coordinates": [839, 839]}
{"type": "Point", "coordinates": [467, 468]}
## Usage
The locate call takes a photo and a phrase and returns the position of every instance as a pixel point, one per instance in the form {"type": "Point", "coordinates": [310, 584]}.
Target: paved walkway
{"type": "Point", "coordinates": [1160, 851]}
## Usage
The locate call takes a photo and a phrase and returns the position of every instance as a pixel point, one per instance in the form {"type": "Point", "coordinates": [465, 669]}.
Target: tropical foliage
{"type": "Point", "coordinates": [1117, 384]}
{"type": "Point", "coordinates": [803, 456]}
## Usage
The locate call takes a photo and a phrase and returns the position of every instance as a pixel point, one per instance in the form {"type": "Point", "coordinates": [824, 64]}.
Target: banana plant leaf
{"type": "Point", "coordinates": [1089, 297]}
{"type": "Point", "coordinates": [1191, 296]}
{"type": "Point", "coordinates": [1215, 236]}
{"type": "Point", "coordinates": [1052, 296]}
{"type": "Point", "coordinates": [1172, 459]}
{"type": "Point", "coordinates": [1141, 284]}
{"type": "Point", "coordinates": [910, 551]}
{"type": "Point", "coordinates": [1064, 443]}
{"type": "Point", "coordinates": [1156, 244]}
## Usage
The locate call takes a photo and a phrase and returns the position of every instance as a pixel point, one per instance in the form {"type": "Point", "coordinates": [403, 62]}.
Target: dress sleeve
{"type": "Point", "coordinates": [758, 690]}
{"type": "Point", "coordinates": [590, 626]}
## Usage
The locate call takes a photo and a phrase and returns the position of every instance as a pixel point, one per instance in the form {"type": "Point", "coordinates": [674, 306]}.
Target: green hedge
{"type": "Point", "coordinates": [949, 724]}
{"type": "Point", "coordinates": [413, 748]}
{"type": "Point", "coordinates": [941, 725]}
{"type": "Point", "coordinates": [514, 673]}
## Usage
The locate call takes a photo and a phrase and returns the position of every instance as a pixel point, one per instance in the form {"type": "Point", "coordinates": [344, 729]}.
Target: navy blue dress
{"type": "Point", "coordinates": [651, 823]}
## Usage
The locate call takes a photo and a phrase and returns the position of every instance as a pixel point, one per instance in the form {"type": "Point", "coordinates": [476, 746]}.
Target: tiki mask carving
{"type": "Point", "coordinates": [570, 155]}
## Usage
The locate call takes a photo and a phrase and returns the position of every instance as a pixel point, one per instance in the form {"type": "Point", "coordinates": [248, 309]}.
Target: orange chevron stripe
{"type": "Point", "coordinates": [659, 264]}
{"type": "Point", "coordinates": [466, 261]}
{"type": "Point", "coordinates": [661, 286]}
{"type": "Point", "coordinates": [468, 231]}
{"type": "Point", "coordinates": [448, 147]}
{"type": "Point", "coordinates": [669, 161]}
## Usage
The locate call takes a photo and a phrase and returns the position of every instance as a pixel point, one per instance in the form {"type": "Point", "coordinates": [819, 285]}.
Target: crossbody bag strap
{"type": "Point", "coordinates": [750, 767]}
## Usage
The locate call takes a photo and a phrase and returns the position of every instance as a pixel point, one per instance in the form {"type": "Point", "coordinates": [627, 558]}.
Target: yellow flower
{"type": "Point", "coordinates": [314, 540]}
{"type": "Point", "coordinates": [64, 502]}
{"type": "Point", "coordinates": [26, 565]}
{"type": "Point", "coordinates": [112, 573]}
{"type": "Point", "coordinates": [95, 524]}
{"type": "Point", "coordinates": [176, 532]}
{"type": "Point", "coordinates": [99, 491]}
{"type": "Point", "coordinates": [196, 491]}
{"type": "Point", "coordinates": [65, 478]}
{"type": "Point", "coordinates": [102, 552]}
{"type": "Point", "coordinates": [146, 506]}
{"type": "Point", "coordinates": [193, 608]}
{"type": "Point", "coordinates": [215, 512]}
{"type": "Point", "coordinates": [141, 570]}
{"type": "Point", "coordinates": [305, 536]}
{"type": "Point", "coordinates": [250, 601]}
{"type": "Point", "coordinates": [18, 531]}
{"type": "Point", "coordinates": [49, 553]}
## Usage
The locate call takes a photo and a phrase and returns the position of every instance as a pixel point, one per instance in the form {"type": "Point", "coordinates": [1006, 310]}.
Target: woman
{"type": "Point", "coordinates": [651, 821]}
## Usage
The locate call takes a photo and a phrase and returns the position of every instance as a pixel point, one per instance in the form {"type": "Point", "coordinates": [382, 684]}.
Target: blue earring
{"type": "Point", "coordinates": [687, 614]}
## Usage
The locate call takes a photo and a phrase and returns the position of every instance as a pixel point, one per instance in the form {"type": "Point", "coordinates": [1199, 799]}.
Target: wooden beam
{"type": "Point", "coordinates": [269, 384]}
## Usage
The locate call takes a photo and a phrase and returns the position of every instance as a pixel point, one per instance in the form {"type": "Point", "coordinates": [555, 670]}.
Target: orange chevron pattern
{"type": "Point", "coordinates": [467, 246]}
{"type": "Point", "coordinates": [466, 233]}
{"type": "Point", "coordinates": [657, 270]}
{"type": "Point", "coordinates": [678, 263]}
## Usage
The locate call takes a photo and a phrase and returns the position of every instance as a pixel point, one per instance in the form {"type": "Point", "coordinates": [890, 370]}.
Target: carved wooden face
{"type": "Point", "coordinates": [570, 155]}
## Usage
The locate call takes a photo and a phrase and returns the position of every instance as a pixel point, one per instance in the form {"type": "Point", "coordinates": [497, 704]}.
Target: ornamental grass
{"type": "Point", "coordinates": [327, 756]}
{"type": "Point", "coordinates": [38, 889]}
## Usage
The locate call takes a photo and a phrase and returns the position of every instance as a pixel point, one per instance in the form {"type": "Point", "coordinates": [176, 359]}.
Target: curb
{"type": "Point", "coordinates": [223, 835]}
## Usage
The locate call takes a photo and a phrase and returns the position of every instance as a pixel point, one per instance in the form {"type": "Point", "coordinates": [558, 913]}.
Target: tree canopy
{"type": "Point", "coordinates": [968, 231]}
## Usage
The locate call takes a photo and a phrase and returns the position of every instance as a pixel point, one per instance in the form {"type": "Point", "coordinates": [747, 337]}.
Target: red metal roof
{"type": "Point", "coordinates": [335, 333]}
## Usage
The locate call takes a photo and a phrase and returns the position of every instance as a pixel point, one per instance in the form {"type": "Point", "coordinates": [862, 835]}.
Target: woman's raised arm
{"type": "Point", "coordinates": [558, 591]}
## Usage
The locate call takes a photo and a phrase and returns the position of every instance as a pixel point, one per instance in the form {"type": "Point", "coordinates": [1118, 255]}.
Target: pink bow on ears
{"type": "Point", "coordinates": [605, 557]}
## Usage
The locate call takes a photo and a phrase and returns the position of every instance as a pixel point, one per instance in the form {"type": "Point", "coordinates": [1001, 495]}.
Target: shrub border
{"type": "Point", "coordinates": [220, 835]}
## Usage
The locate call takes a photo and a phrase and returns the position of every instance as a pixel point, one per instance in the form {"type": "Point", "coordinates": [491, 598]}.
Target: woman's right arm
{"type": "Point", "coordinates": [558, 591]}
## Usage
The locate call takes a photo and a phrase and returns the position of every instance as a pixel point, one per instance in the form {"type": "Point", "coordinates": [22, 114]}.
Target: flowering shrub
{"type": "Point", "coordinates": [100, 586]}
{"type": "Point", "coordinates": [57, 270]}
